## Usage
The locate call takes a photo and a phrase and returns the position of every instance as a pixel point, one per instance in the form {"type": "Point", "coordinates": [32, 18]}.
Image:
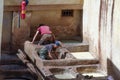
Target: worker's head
{"type": "Point", "coordinates": [58, 44]}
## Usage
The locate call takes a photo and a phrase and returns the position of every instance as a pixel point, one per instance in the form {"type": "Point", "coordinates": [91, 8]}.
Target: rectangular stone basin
{"type": "Point", "coordinates": [60, 73]}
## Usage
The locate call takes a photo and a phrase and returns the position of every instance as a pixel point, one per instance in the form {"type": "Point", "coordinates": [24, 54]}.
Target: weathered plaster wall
{"type": "Point", "coordinates": [96, 28]}
{"type": "Point", "coordinates": [109, 37]}
{"type": "Point", "coordinates": [90, 24]}
{"type": "Point", "coordinates": [115, 59]}
{"type": "Point", "coordinates": [105, 27]}
{"type": "Point", "coordinates": [38, 2]}
{"type": "Point", "coordinates": [1, 21]}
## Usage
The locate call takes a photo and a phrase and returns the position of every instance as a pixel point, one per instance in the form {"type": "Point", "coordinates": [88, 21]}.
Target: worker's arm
{"type": "Point", "coordinates": [35, 36]}
{"type": "Point", "coordinates": [49, 54]}
{"type": "Point", "coordinates": [53, 37]}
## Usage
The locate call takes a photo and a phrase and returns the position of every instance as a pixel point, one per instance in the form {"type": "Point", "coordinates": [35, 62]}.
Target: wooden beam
{"type": "Point", "coordinates": [23, 57]}
{"type": "Point", "coordinates": [46, 7]}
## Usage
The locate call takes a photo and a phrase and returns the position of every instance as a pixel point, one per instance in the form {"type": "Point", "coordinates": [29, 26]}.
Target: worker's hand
{"type": "Point", "coordinates": [50, 56]}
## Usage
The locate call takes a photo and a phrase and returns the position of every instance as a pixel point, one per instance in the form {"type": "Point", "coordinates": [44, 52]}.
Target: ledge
{"type": "Point", "coordinates": [45, 7]}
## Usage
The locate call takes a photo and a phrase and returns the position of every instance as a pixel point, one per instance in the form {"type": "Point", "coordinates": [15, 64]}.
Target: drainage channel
{"type": "Point", "coordinates": [12, 68]}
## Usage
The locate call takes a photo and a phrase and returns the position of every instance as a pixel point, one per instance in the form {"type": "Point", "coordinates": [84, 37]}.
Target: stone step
{"type": "Point", "coordinates": [88, 57]}
{"type": "Point", "coordinates": [5, 56]}
{"type": "Point", "coordinates": [87, 68]}
{"type": "Point", "coordinates": [76, 46]}
{"type": "Point", "coordinates": [14, 69]}
{"type": "Point", "coordinates": [19, 78]}
{"type": "Point", "coordinates": [79, 68]}
{"type": "Point", "coordinates": [78, 58]}
{"type": "Point", "coordinates": [7, 59]}
{"type": "Point", "coordinates": [69, 62]}
{"type": "Point", "coordinates": [98, 75]}
{"type": "Point", "coordinates": [83, 56]}
{"type": "Point", "coordinates": [9, 62]}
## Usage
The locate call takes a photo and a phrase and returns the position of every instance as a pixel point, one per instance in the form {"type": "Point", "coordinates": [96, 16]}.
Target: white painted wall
{"type": "Point", "coordinates": [101, 29]}
{"type": "Point", "coordinates": [90, 24]}
{"type": "Point", "coordinates": [116, 35]}
{"type": "Point", "coordinates": [1, 21]}
{"type": "Point", "coordinates": [116, 39]}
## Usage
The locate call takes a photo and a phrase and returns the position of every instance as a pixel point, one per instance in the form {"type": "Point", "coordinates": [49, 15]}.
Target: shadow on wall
{"type": "Point", "coordinates": [113, 70]}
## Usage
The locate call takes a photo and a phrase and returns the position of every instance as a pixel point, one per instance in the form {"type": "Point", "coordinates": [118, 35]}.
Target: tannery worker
{"type": "Point", "coordinates": [46, 51]}
{"type": "Point", "coordinates": [47, 35]}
